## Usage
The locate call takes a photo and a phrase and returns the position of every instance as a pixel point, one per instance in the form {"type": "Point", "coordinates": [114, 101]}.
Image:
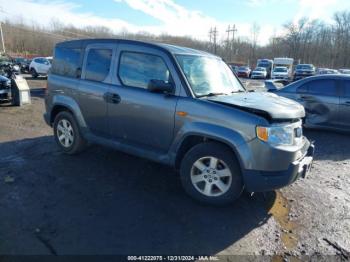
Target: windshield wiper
{"type": "Point", "coordinates": [238, 91]}
{"type": "Point", "coordinates": [211, 94]}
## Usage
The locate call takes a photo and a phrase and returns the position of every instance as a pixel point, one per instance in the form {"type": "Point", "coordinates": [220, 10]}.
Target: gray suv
{"type": "Point", "coordinates": [180, 107]}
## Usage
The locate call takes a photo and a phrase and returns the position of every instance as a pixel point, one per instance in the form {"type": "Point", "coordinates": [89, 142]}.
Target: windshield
{"type": "Point", "coordinates": [208, 75]}
{"type": "Point", "coordinates": [260, 69]}
{"type": "Point", "coordinates": [304, 67]}
{"type": "Point", "coordinates": [264, 64]}
{"type": "Point", "coordinates": [280, 69]}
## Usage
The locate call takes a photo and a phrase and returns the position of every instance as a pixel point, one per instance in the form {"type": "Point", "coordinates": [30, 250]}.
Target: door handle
{"type": "Point", "coordinates": [112, 98]}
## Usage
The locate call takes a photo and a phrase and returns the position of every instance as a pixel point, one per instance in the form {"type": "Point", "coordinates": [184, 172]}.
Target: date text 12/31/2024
{"type": "Point", "coordinates": [173, 258]}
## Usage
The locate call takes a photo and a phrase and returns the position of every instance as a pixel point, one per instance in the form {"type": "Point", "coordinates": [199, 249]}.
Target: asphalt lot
{"type": "Point", "coordinates": [106, 202]}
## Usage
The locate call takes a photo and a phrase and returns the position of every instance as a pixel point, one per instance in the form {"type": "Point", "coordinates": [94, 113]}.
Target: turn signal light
{"type": "Point", "coordinates": [262, 133]}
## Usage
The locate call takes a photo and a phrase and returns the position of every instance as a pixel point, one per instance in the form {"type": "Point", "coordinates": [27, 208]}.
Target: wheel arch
{"type": "Point", "coordinates": [194, 139]}
{"type": "Point", "coordinates": [65, 103]}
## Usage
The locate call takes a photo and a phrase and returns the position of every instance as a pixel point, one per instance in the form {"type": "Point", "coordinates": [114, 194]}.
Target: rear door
{"type": "Point", "coordinates": [344, 107]}
{"type": "Point", "coordinates": [321, 101]}
{"type": "Point", "coordinates": [95, 83]}
{"type": "Point", "coordinates": [39, 65]}
{"type": "Point", "coordinates": [45, 66]}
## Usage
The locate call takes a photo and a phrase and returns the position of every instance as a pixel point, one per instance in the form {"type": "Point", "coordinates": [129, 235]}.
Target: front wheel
{"type": "Point", "coordinates": [210, 173]}
{"type": "Point", "coordinates": [33, 73]}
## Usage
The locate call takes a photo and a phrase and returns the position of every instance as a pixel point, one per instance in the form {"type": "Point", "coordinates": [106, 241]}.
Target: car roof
{"type": "Point", "coordinates": [321, 77]}
{"type": "Point", "coordinates": [173, 49]}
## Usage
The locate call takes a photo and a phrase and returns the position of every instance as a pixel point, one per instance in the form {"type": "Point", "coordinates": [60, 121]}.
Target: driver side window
{"type": "Point", "coordinates": [137, 69]}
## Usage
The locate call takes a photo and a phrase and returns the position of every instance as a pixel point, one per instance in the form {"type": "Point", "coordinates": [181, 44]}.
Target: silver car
{"type": "Point", "coordinates": [177, 106]}
{"type": "Point", "coordinates": [326, 99]}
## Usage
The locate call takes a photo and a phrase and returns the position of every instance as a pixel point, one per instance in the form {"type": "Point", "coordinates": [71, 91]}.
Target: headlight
{"type": "Point", "coordinates": [276, 135]}
{"type": "Point", "coordinates": [8, 83]}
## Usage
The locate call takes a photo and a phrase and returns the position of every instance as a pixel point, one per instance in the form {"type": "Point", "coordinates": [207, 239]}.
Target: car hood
{"type": "Point", "coordinates": [280, 73]}
{"type": "Point", "coordinates": [276, 107]}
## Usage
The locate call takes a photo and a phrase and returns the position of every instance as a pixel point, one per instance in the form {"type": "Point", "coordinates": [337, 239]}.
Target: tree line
{"type": "Point", "coordinates": [322, 44]}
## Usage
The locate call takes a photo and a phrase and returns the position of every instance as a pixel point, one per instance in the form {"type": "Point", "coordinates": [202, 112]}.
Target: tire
{"type": "Point", "coordinates": [200, 181]}
{"type": "Point", "coordinates": [76, 143]}
{"type": "Point", "coordinates": [33, 73]}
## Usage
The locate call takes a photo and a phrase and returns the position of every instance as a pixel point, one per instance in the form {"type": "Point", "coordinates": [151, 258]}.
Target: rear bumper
{"type": "Point", "coordinates": [260, 181]}
{"type": "Point", "coordinates": [297, 77]}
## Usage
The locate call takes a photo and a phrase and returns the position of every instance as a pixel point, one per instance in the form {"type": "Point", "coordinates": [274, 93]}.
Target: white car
{"type": "Point", "coordinates": [259, 72]}
{"type": "Point", "coordinates": [280, 72]}
{"type": "Point", "coordinates": [40, 66]}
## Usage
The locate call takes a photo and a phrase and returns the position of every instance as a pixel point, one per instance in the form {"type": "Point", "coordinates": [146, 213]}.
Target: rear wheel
{"type": "Point", "coordinates": [211, 174]}
{"type": "Point", "coordinates": [67, 133]}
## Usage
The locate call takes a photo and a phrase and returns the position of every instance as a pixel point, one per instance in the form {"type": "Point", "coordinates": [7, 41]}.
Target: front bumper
{"type": "Point", "coordinates": [260, 181]}
{"type": "Point", "coordinates": [258, 76]}
{"type": "Point", "coordinates": [280, 77]}
{"type": "Point", "coordinates": [5, 91]}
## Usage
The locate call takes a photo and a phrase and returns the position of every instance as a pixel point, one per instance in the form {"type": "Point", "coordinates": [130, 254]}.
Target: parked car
{"type": "Point", "coordinates": [244, 71]}
{"type": "Point", "coordinates": [23, 64]}
{"type": "Point", "coordinates": [180, 107]}
{"type": "Point", "coordinates": [326, 99]}
{"type": "Point", "coordinates": [5, 88]}
{"type": "Point", "coordinates": [40, 66]}
{"type": "Point", "coordinates": [304, 70]}
{"type": "Point", "coordinates": [344, 71]}
{"type": "Point", "coordinates": [280, 72]}
{"type": "Point", "coordinates": [259, 72]}
{"type": "Point", "coordinates": [327, 71]}
{"type": "Point", "coordinates": [233, 68]}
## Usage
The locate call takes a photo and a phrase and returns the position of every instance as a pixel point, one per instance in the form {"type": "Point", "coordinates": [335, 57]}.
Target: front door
{"type": "Point", "coordinates": [137, 116]}
{"type": "Point", "coordinates": [344, 107]}
{"type": "Point", "coordinates": [321, 101]}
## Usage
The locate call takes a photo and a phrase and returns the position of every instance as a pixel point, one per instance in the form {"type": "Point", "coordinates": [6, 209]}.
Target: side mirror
{"type": "Point", "coordinates": [160, 86]}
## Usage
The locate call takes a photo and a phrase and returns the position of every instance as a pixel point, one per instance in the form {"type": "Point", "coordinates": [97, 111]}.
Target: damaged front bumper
{"type": "Point", "coordinates": [260, 181]}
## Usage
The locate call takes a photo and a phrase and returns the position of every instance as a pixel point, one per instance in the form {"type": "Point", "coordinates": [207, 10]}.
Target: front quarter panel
{"type": "Point", "coordinates": [226, 124]}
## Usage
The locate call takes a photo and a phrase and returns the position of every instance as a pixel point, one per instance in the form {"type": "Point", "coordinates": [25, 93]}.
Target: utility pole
{"type": "Point", "coordinates": [215, 34]}
{"type": "Point", "coordinates": [210, 34]}
{"type": "Point", "coordinates": [2, 38]}
{"type": "Point", "coordinates": [230, 46]}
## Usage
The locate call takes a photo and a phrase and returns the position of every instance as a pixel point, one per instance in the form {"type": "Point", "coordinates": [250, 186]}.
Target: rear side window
{"type": "Point", "coordinates": [347, 88]}
{"type": "Point", "coordinates": [66, 62]}
{"type": "Point", "coordinates": [137, 69]}
{"type": "Point", "coordinates": [39, 60]}
{"type": "Point", "coordinates": [98, 64]}
{"type": "Point", "coordinates": [325, 87]}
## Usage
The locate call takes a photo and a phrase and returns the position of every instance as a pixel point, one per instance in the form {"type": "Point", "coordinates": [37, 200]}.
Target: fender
{"type": "Point", "coordinates": [236, 141]}
{"type": "Point", "coordinates": [72, 105]}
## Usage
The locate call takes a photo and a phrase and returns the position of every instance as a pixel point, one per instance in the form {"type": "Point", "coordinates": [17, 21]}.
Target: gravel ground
{"type": "Point", "coordinates": [106, 202]}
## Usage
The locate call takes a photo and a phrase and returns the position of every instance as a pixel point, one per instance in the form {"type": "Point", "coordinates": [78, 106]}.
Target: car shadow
{"type": "Point", "coordinates": [329, 145]}
{"type": "Point", "coordinates": [106, 202]}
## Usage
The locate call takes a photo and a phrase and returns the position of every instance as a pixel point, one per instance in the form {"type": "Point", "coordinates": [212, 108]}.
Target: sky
{"type": "Point", "coordinates": [192, 18]}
